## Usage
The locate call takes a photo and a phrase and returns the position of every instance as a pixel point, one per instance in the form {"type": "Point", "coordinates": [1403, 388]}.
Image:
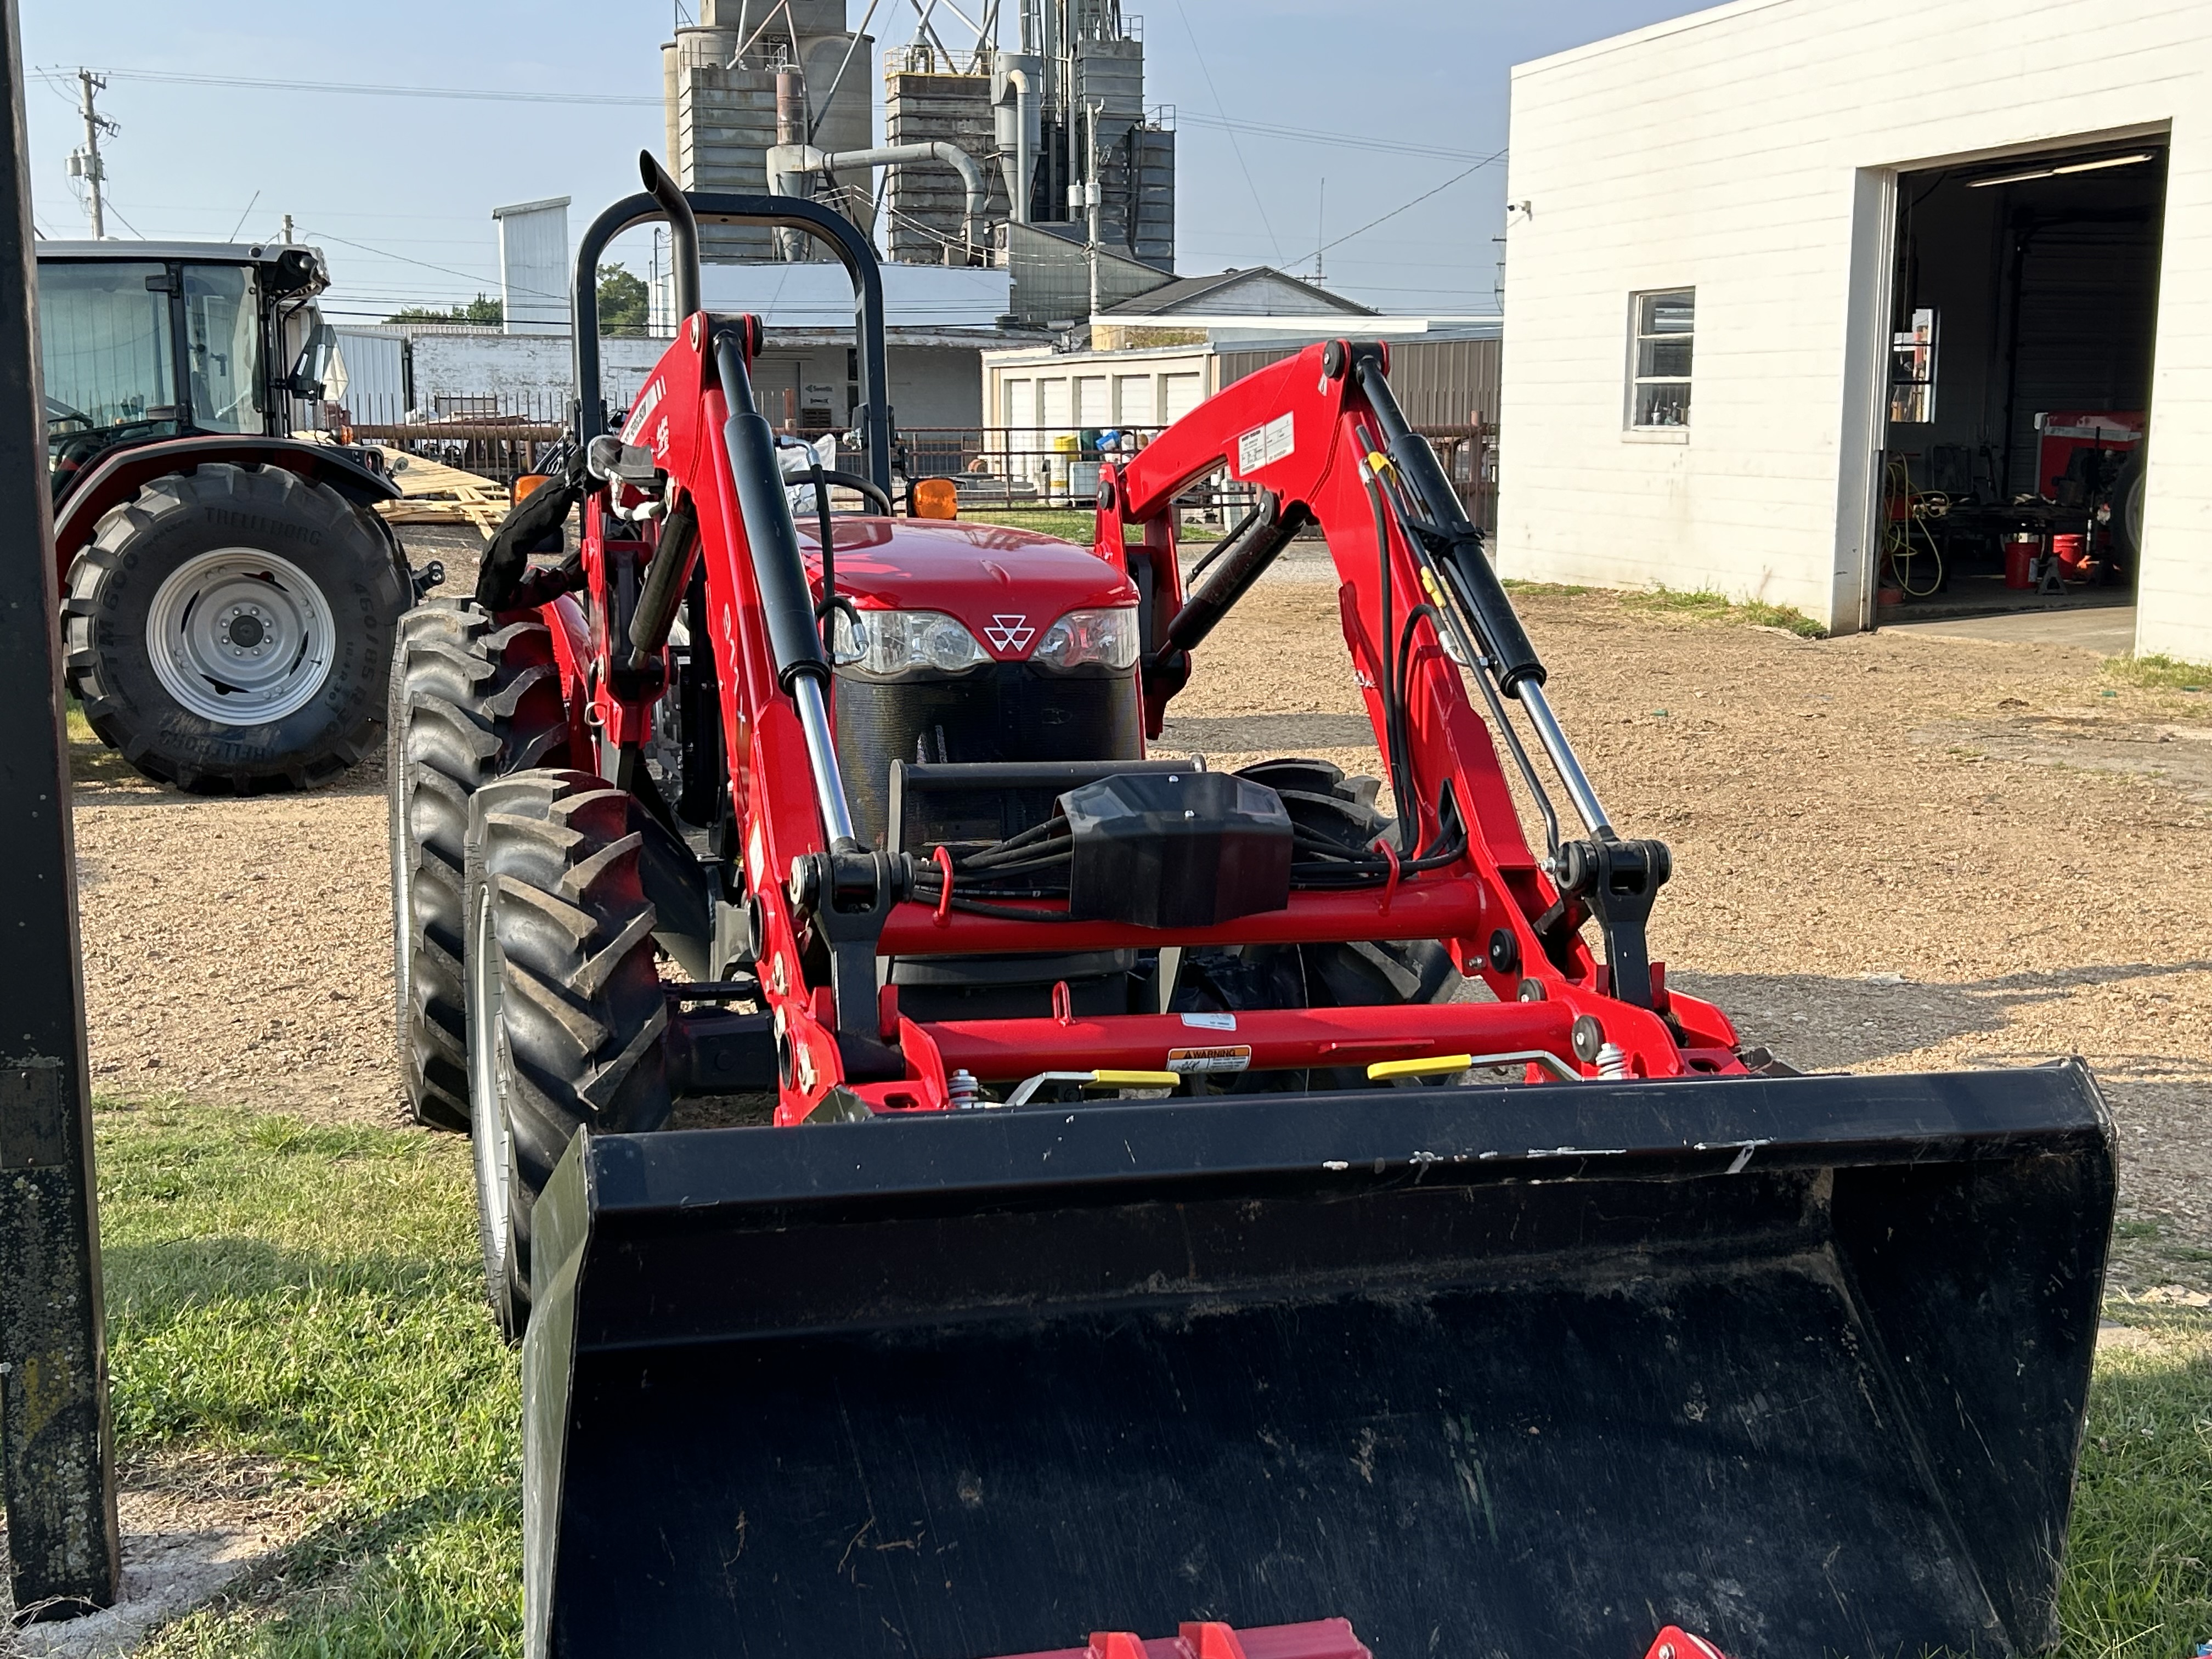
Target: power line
{"type": "Point", "coordinates": [1466, 173]}
{"type": "Point", "coordinates": [1199, 53]}
{"type": "Point", "coordinates": [364, 89]}
{"type": "Point", "coordinates": [1333, 140]}
{"type": "Point", "coordinates": [386, 253]}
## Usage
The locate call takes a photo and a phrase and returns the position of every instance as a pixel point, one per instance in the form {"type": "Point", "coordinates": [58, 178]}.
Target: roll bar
{"type": "Point", "coordinates": [685, 211]}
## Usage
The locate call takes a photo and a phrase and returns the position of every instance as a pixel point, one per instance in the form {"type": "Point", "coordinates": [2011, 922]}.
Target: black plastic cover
{"type": "Point", "coordinates": [1177, 849]}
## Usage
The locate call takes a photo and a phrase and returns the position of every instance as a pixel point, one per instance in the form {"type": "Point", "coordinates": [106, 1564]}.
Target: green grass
{"type": "Point", "coordinates": [1071, 524]}
{"type": "Point", "coordinates": [2139, 1556]}
{"type": "Point", "coordinates": [310, 1296]}
{"type": "Point", "coordinates": [1547, 589]}
{"type": "Point", "coordinates": [1705, 605]}
{"type": "Point", "coordinates": [2161, 673]}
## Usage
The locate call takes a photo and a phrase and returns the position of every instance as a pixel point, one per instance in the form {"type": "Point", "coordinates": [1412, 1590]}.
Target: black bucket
{"type": "Point", "coordinates": [1798, 1364]}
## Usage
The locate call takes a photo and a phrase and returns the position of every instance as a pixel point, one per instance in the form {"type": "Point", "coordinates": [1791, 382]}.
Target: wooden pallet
{"type": "Point", "coordinates": [432, 493]}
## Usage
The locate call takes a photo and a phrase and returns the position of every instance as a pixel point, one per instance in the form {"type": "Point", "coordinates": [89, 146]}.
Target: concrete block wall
{"type": "Point", "coordinates": [1750, 152]}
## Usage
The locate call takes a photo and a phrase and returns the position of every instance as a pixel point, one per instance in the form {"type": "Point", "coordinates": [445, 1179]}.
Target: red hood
{"type": "Point", "coordinates": [1006, 585]}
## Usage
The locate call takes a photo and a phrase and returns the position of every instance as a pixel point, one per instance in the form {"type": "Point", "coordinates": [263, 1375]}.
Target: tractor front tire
{"type": "Point", "coordinates": [229, 629]}
{"type": "Point", "coordinates": [472, 700]}
{"type": "Point", "coordinates": [568, 1017]}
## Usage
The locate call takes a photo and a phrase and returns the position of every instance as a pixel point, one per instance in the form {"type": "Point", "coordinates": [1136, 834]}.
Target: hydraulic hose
{"type": "Point", "coordinates": [779, 567]}
{"type": "Point", "coordinates": [1512, 657]}
{"type": "Point", "coordinates": [780, 573]}
{"type": "Point", "coordinates": [665, 579]}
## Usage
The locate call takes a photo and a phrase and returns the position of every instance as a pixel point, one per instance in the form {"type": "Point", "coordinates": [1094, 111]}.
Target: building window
{"type": "Point", "coordinates": [1912, 370]}
{"type": "Point", "coordinates": [1659, 377]}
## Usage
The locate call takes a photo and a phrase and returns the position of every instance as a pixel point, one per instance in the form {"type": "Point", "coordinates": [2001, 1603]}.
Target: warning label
{"type": "Point", "coordinates": [1235, 1057]}
{"type": "Point", "coordinates": [1264, 444]}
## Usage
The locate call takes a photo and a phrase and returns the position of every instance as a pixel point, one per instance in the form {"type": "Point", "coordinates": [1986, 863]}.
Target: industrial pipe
{"type": "Point", "coordinates": [1026, 125]}
{"type": "Point", "coordinates": [788, 162]}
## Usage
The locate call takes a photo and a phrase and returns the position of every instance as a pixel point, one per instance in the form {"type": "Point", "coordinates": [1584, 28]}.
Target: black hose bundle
{"type": "Point", "coordinates": [1034, 864]}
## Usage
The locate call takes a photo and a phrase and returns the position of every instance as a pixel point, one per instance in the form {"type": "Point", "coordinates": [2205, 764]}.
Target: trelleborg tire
{"type": "Point", "coordinates": [229, 629]}
{"type": "Point", "coordinates": [473, 698]}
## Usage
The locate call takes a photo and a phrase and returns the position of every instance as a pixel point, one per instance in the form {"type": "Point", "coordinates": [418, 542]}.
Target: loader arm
{"type": "Point", "coordinates": [1321, 439]}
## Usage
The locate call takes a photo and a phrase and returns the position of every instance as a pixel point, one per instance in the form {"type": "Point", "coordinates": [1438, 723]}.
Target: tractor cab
{"type": "Point", "coordinates": [143, 341]}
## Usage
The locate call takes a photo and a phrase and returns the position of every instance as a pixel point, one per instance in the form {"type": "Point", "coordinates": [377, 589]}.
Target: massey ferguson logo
{"type": "Point", "coordinates": [1010, 633]}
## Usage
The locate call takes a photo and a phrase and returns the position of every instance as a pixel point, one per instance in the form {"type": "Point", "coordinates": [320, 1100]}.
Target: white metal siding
{"type": "Point", "coordinates": [1179, 395]}
{"type": "Point", "coordinates": [533, 266]}
{"type": "Point", "coordinates": [1749, 152]}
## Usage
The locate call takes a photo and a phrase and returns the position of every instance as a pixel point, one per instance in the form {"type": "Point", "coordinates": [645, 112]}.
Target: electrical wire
{"type": "Point", "coordinates": [363, 89]}
{"type": "Point", "coordinates": [1333, 140]}
{"type": "Point", "coordinates": [386, 253]}
{"type": "Point", "coordinates": [1404, 206]}
{"type": "Point", "coordinates": [1204, 68]}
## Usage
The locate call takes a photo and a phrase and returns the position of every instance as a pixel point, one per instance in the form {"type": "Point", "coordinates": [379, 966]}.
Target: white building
{"type": "Point", "coordinates": [1777, 271]}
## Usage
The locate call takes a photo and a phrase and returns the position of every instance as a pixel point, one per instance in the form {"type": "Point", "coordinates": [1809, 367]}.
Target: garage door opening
{"type": "Point", "coordinates": [2025, 297]}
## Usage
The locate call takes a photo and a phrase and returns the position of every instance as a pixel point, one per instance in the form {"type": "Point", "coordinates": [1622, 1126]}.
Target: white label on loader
{"type": "Point", "coordinates": [1265, 444]}
{"type": "Point", "coordinates": [1189, 1061]}
{"type": "Point", "coordinates": [1210, 1022]}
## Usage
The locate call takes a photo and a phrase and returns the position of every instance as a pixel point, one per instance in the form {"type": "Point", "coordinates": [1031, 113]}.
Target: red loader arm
{"type": "Point", "coordinates": [1319, 438]}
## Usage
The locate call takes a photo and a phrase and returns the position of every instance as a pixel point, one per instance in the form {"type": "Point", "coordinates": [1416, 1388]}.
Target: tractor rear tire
{"type": "Point", "coordinates": [567, 1015]}
{"type": "Point", "coordinates": [230, 629]}
{"type": "Point", "coordinates": [472, 700]}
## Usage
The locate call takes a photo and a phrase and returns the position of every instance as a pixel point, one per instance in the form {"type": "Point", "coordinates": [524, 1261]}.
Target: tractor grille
{"type": "Point", "coordinates": [1003, 712]}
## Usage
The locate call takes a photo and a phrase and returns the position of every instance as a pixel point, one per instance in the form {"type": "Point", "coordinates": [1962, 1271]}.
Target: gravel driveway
{"type": "Point", "coordinates": [1891, 853]}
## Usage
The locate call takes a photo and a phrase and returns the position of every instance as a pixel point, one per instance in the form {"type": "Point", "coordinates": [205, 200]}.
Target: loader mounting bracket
{"type": "Point", "coordinates": [1618, 881]}
{"type": "Point", "coordinates": [846, 894]}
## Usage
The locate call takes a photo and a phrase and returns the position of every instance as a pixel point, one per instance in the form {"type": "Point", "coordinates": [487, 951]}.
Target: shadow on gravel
{"type": "Point", "coordinates": [1812, 1021]}
{"type": "Point", "coordinates": [101, 777]}
{"type": "Point", "coordinates": [1285, 734]}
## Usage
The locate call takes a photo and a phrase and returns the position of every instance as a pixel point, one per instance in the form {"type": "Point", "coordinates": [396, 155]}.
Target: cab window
{"type": "Point", "coordinates": [222, 348]}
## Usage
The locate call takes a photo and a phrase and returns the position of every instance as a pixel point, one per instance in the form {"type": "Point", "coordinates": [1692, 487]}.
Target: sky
{"type": "Point", "coordinates": [398, 190]}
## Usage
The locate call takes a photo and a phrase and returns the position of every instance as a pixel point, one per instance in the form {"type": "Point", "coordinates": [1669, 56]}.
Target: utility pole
{"type": "Point", "coordinates": [1320, 231]}
{"type": "Point", "coordinates": [57, 1441]}
{"type": "Point", "coordinates": [288, 230]}
{"type": "Point", "coordinates": [84, 162]}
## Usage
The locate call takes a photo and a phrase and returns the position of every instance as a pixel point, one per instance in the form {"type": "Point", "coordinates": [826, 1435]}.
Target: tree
{"type": "Point", "coordinates": [624, 305]}
{"type": "Point", "coordinates": [483, 311]}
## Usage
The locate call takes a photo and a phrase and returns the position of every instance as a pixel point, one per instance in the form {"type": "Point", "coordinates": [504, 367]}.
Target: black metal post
{"type": "Point", "coordinates": [56, 1439]}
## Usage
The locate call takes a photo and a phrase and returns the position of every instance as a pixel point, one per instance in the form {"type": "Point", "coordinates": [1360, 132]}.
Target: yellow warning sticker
{"type": "Point", "coordinates": [1234, 1057]}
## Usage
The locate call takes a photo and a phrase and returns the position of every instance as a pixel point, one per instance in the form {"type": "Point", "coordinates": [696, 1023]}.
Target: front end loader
{"type": "Point", "coordinates": [1215, 1202]}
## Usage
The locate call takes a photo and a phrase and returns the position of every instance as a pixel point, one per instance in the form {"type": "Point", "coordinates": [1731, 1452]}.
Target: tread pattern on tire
{"type": "Point", "coordinates": [582, 1012]}
{"type": "Point", "coordinates": [472, 700]}
{"type": "Point", "coordinates": [270, 491]}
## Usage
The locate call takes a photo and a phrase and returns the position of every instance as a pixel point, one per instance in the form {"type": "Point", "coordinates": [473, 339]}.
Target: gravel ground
{"type": "Point", "coordinates": [1890, 853]}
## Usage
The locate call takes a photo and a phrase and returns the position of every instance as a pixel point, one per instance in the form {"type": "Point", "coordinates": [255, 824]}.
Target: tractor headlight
{"type": "Point", "coordinates": [901, 642]}
{"type": "Point", "coordinates": [1082, 638]}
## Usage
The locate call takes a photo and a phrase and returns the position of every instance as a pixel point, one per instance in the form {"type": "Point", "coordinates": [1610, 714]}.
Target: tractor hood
{"type": "Point", "coordinates": [1005, 585]}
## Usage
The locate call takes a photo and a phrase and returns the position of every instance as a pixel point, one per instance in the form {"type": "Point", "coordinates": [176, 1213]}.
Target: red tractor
{"type": "Point", "coordinates": [1189, 1200]}
{"type": "Point", "coordinates": [229, 592]}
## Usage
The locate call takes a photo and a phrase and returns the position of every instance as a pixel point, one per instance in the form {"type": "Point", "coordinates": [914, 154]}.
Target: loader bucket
{"type": "Point", "coordinates": [1796, 1363]}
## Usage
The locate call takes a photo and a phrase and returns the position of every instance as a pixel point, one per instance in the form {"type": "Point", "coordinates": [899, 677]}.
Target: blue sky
{"type": "Point", "coordinates": [398, 190]}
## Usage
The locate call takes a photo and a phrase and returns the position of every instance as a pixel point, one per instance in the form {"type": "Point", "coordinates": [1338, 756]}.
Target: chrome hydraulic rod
{"type": "Point", "coordinates": [1564, 760]}
{"type": "Point", "coordinates": [1478, 670]}
{"type": "Point", "coordinates": [822, 759]}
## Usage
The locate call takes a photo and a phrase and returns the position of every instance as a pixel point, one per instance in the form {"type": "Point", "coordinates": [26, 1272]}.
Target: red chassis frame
{"type": "Point", "coordinates": [1298, 431]}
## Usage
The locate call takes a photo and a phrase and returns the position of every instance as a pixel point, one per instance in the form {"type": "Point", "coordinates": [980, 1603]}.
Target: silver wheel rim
{"type": "Point", "coordinates": [239, 636]}
{"type": "Point", "coordinates": [487, 1109]}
